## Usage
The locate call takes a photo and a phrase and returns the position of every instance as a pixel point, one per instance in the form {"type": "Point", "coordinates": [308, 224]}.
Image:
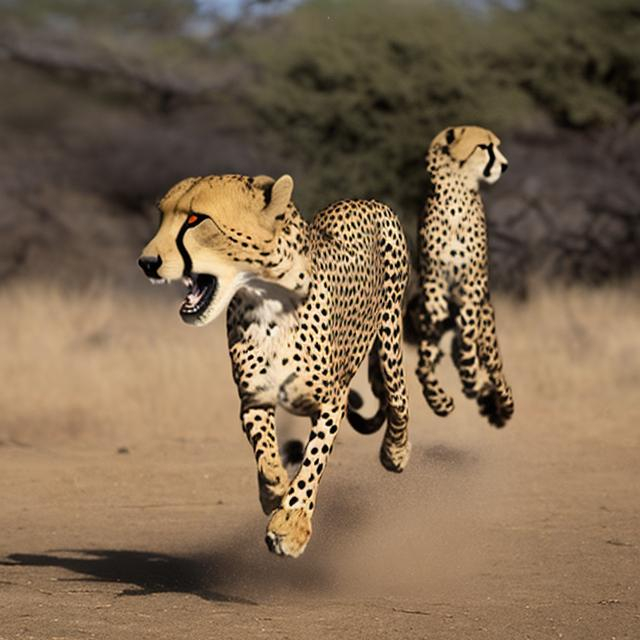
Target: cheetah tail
{"type": "Point", "coordinates": [361, 424]}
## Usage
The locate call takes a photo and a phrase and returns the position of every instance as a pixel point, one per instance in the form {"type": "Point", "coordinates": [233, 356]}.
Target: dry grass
{"type": "Point", "coordinates": [107, 365]}
{"type": "Point", "coordinates": [104, 364]}
{"type": "Point", "coordinates": [574, 352]}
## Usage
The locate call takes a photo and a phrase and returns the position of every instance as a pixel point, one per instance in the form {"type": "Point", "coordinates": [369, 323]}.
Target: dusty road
{"type": "Point", "coordinates": [533, 532]}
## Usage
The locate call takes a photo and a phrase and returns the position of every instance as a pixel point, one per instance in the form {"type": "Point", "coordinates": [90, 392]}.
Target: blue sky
{"type": "Point", "coordinates": [230, 8]}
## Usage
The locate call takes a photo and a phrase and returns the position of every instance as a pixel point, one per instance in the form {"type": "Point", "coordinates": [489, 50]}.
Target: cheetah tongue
{"type": "Point", "coordinates": [195, 292]}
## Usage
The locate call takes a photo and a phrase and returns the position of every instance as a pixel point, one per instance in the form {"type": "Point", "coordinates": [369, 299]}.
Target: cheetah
{"type": "Point", "coordinates": [305, 304]}
{"type": "Point", "coordinates": [453, 270]}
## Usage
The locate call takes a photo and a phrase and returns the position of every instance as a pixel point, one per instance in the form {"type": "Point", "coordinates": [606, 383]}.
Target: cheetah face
{"type": "Point", "coordinates": [476, 152]}
{"type": "Point", "coordinates": [216, 233]}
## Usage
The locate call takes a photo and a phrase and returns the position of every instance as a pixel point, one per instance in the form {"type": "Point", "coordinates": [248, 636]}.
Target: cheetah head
{"type": "Point", "coordinates": [215, 234]}
{"type": "Point", "coordinates": [475, 150]}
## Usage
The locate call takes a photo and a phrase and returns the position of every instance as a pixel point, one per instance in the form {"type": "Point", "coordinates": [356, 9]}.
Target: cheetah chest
{"type": "Point", "coordinates": [460, 238]}
{"type": "Point", "coordinates": [279, 370]}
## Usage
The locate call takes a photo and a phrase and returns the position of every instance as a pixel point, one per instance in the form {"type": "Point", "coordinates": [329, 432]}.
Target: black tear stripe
{"type": "Point", "coordinates": [492, 159]}
{"type": "Point", "coordinates": [186, 258]}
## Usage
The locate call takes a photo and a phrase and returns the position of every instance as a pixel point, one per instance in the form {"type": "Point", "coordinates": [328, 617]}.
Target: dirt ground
{"type": "Point", "coordinates": [128, 498]}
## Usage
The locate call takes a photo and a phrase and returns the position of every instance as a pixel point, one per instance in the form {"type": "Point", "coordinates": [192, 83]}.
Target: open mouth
{"type": "Point", "coordinates": [202, 288]}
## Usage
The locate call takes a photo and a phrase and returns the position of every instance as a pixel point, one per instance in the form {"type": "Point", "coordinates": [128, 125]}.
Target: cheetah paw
{"type": "Point", "coordinates": [288, 532]}
{"type": "Point", "coordinates": [441, 404]}
{"type": "Point", "coordinates": [273, 482]}
{"type": "Point", "coordinates": [495, 406]}
{"type": "Point", "coordinates": [395, 458]}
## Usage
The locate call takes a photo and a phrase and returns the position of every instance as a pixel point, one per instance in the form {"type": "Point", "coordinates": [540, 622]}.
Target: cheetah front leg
{"type": "Point", "coordinates": [260, 428]}
{"type": "Point", "coordinates": [434, 321]}
{"type": "Point", "coordinates": [467, 329]}
{"type": "Point", "coordinates": [289, 527]}
{"type": "Point", "coordinates": [429, 354]}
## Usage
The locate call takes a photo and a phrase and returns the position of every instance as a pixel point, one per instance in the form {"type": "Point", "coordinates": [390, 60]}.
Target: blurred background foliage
{"type": "Point", "coordinates": [357, 90]}
{"type": "Point", "coordinates": [108, 103]}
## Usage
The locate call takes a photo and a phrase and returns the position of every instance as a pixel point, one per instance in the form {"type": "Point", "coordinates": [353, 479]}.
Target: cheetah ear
{"type": "Point", "coordinates": [263, 182]}
{"type": "Point", "coordinates": [281, 192]}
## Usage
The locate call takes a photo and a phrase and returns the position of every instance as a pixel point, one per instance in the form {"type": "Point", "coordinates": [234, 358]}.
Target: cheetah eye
{"type": "Point", "coordinates": [194, 219]}
{"type": "Point", "coordinates": [483, 146]}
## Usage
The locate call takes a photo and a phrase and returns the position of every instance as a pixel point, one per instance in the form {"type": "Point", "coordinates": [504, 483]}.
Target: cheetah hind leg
{"type": "Point", "coordinates": [392, 408]}
{"type": "Point", "coordinates": [494, 397]}
{"type": "Point", "coordinates": [396, 448]}
{"type": "Point", "coordinates": [361, 424]}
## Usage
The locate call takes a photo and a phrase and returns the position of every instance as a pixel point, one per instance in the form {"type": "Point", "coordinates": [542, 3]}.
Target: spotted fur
{"type": "Point", "coordinates": [306, 303]}
{"type": "Point", "coordinates": [454, 277]}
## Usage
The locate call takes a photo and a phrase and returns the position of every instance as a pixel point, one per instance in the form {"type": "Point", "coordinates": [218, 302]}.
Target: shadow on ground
{"type": "Point", "coordinates": [150, 572]}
